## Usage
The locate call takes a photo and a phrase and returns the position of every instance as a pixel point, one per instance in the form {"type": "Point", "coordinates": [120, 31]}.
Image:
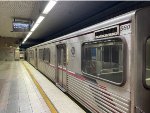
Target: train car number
{"type": "Point", "coordinates": [125, 29]}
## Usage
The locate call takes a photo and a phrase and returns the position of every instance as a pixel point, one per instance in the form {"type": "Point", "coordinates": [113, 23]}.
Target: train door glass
{"type": "Point", "coordinates": [36, 59]}
{"type": "Point", "coordinates": [147, 79]}
{"type": "Point", "coordinates": [61, 65]}
{"type": "Point", "coordinates": [31, 57]}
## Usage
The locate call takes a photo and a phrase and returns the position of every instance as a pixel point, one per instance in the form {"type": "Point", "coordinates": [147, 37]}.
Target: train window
{"type": "Point", "coordinates": [46, 55]}
{"type": "Point", "coordinates": [31, 54]}
{"type": "Point", "coordinates": [147, 79]}
{"type": "Point", "coordinates": [41, 54]}
{"type": "Point", "coordinates": [104, 59]}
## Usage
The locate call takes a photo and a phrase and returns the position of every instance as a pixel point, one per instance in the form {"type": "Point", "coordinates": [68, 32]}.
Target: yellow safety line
{"type": "Point", "coordinates": [46, 99]}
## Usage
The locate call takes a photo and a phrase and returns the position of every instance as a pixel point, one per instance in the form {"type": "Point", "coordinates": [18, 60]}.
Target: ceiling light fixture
{"type": "Point", "coordinates": [34, 27]}
{"type": "Point", "coordinates": [39, 20]}
{"type": "Point", "coordinates": [49, 6]}
{"type": "Point", "coordinates": [29, 34]}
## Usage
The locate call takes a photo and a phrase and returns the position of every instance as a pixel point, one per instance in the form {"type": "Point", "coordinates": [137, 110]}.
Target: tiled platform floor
{"type": "Point", "coordinates": [62, 102]}
{"type": "Point", "coordinates": [18, 94]}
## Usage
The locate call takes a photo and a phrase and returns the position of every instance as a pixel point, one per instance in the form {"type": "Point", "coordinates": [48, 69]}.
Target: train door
{"type": "Point", "coordinates": [142, 89]}
{"type": "Point", "coordinates": [141, 46]}
{"type": "Point", "coordinates": [61, 66]}
{"type": "Point", "coordinates": [36, 58]}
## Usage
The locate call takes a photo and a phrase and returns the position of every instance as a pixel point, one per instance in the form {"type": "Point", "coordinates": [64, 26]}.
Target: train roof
{"type": "Point", "coordinates": [110, 22]}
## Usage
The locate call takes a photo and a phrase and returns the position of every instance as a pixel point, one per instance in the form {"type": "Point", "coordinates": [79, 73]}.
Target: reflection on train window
{"type": "Point", "coordinates": [103, 59]}
{"type": "Point", "coordinates": [46, 55]}
{"type": "Point", "coordinates": [41, 54]}
{"type": "Point", "coordinates": [148, 62]}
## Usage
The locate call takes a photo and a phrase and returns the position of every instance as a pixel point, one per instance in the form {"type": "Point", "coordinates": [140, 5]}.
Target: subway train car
{"type": "Point", "coordinates": [106, 67]}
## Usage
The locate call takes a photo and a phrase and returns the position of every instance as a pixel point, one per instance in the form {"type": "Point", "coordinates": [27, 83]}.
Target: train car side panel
{"type": "Point", "coordinates": [97, 95]}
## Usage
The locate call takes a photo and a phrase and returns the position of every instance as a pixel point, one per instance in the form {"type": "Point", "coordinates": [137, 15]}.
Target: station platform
{"type": "Point", "coordinates": [23, 89]}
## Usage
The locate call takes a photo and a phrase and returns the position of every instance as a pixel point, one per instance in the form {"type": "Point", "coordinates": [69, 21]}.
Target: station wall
{"type": "Point", "coordinates": [8, 49]}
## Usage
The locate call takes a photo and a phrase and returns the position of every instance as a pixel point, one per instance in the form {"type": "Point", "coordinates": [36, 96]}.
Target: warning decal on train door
{"type": "Point", "coordinates": [125, 29]}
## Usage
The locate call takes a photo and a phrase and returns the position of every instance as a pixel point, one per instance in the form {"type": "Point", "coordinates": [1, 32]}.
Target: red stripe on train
{"type": "Point", "coordinates": [102, 87]}
{"type": "Point", "coordinates": [82, 78]}
{"type": "Point", "coordinates": [75, 75]}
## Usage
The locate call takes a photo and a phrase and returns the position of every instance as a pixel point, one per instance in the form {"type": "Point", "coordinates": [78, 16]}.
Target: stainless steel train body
{"type": "Point", "coordinates": [105, 67]}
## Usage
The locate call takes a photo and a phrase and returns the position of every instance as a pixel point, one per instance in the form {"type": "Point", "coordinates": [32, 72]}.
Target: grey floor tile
{"type": "Point", "coordinates": [13, 92]}
{"type": "Point", "coordinates": [26, 111]}
{"type": "Point", "coordinates": [22, 90]}
{"type": "Point", "coordinates": [12, 108]}
{"type": "Point", "coordinates": [22, 94]}
{"type": "Point", "coordinates": [19, 92]}
{"type": "Point", "coordinates": [2, 111]}
{"type": "Point", "coordinates": [13, 102]}
{"type": "Point", "coordinates": [13, 97]}
{"type": "Point", "coordinates": [24, 98]}
{"type": "Point", "coordinates": [24, 102]}
{"type": "Point", "coordinates": [25, 108]}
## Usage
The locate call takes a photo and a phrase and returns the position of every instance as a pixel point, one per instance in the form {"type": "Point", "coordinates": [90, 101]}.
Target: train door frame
{"type": "Point", "coordinates": [61, 81]}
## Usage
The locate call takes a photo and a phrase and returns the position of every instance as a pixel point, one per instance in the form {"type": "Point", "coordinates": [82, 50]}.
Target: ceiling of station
{"type": "Point", "coordinates": [70, 16]}
{"type": "Point", "coordinates": [9, 10]}
{"type": "Point", "coordinates": [64, 18]}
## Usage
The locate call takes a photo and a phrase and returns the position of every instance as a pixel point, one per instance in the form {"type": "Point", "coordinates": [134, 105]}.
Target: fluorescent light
{"type": "Point", "coordinates": [34, 27]}
{"type": "Point", "coordinates": [49, 6]}
{"type": "Point", "coordinates": [28, 35]}
{"type": "Point", "coordinates": [39, 20]}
